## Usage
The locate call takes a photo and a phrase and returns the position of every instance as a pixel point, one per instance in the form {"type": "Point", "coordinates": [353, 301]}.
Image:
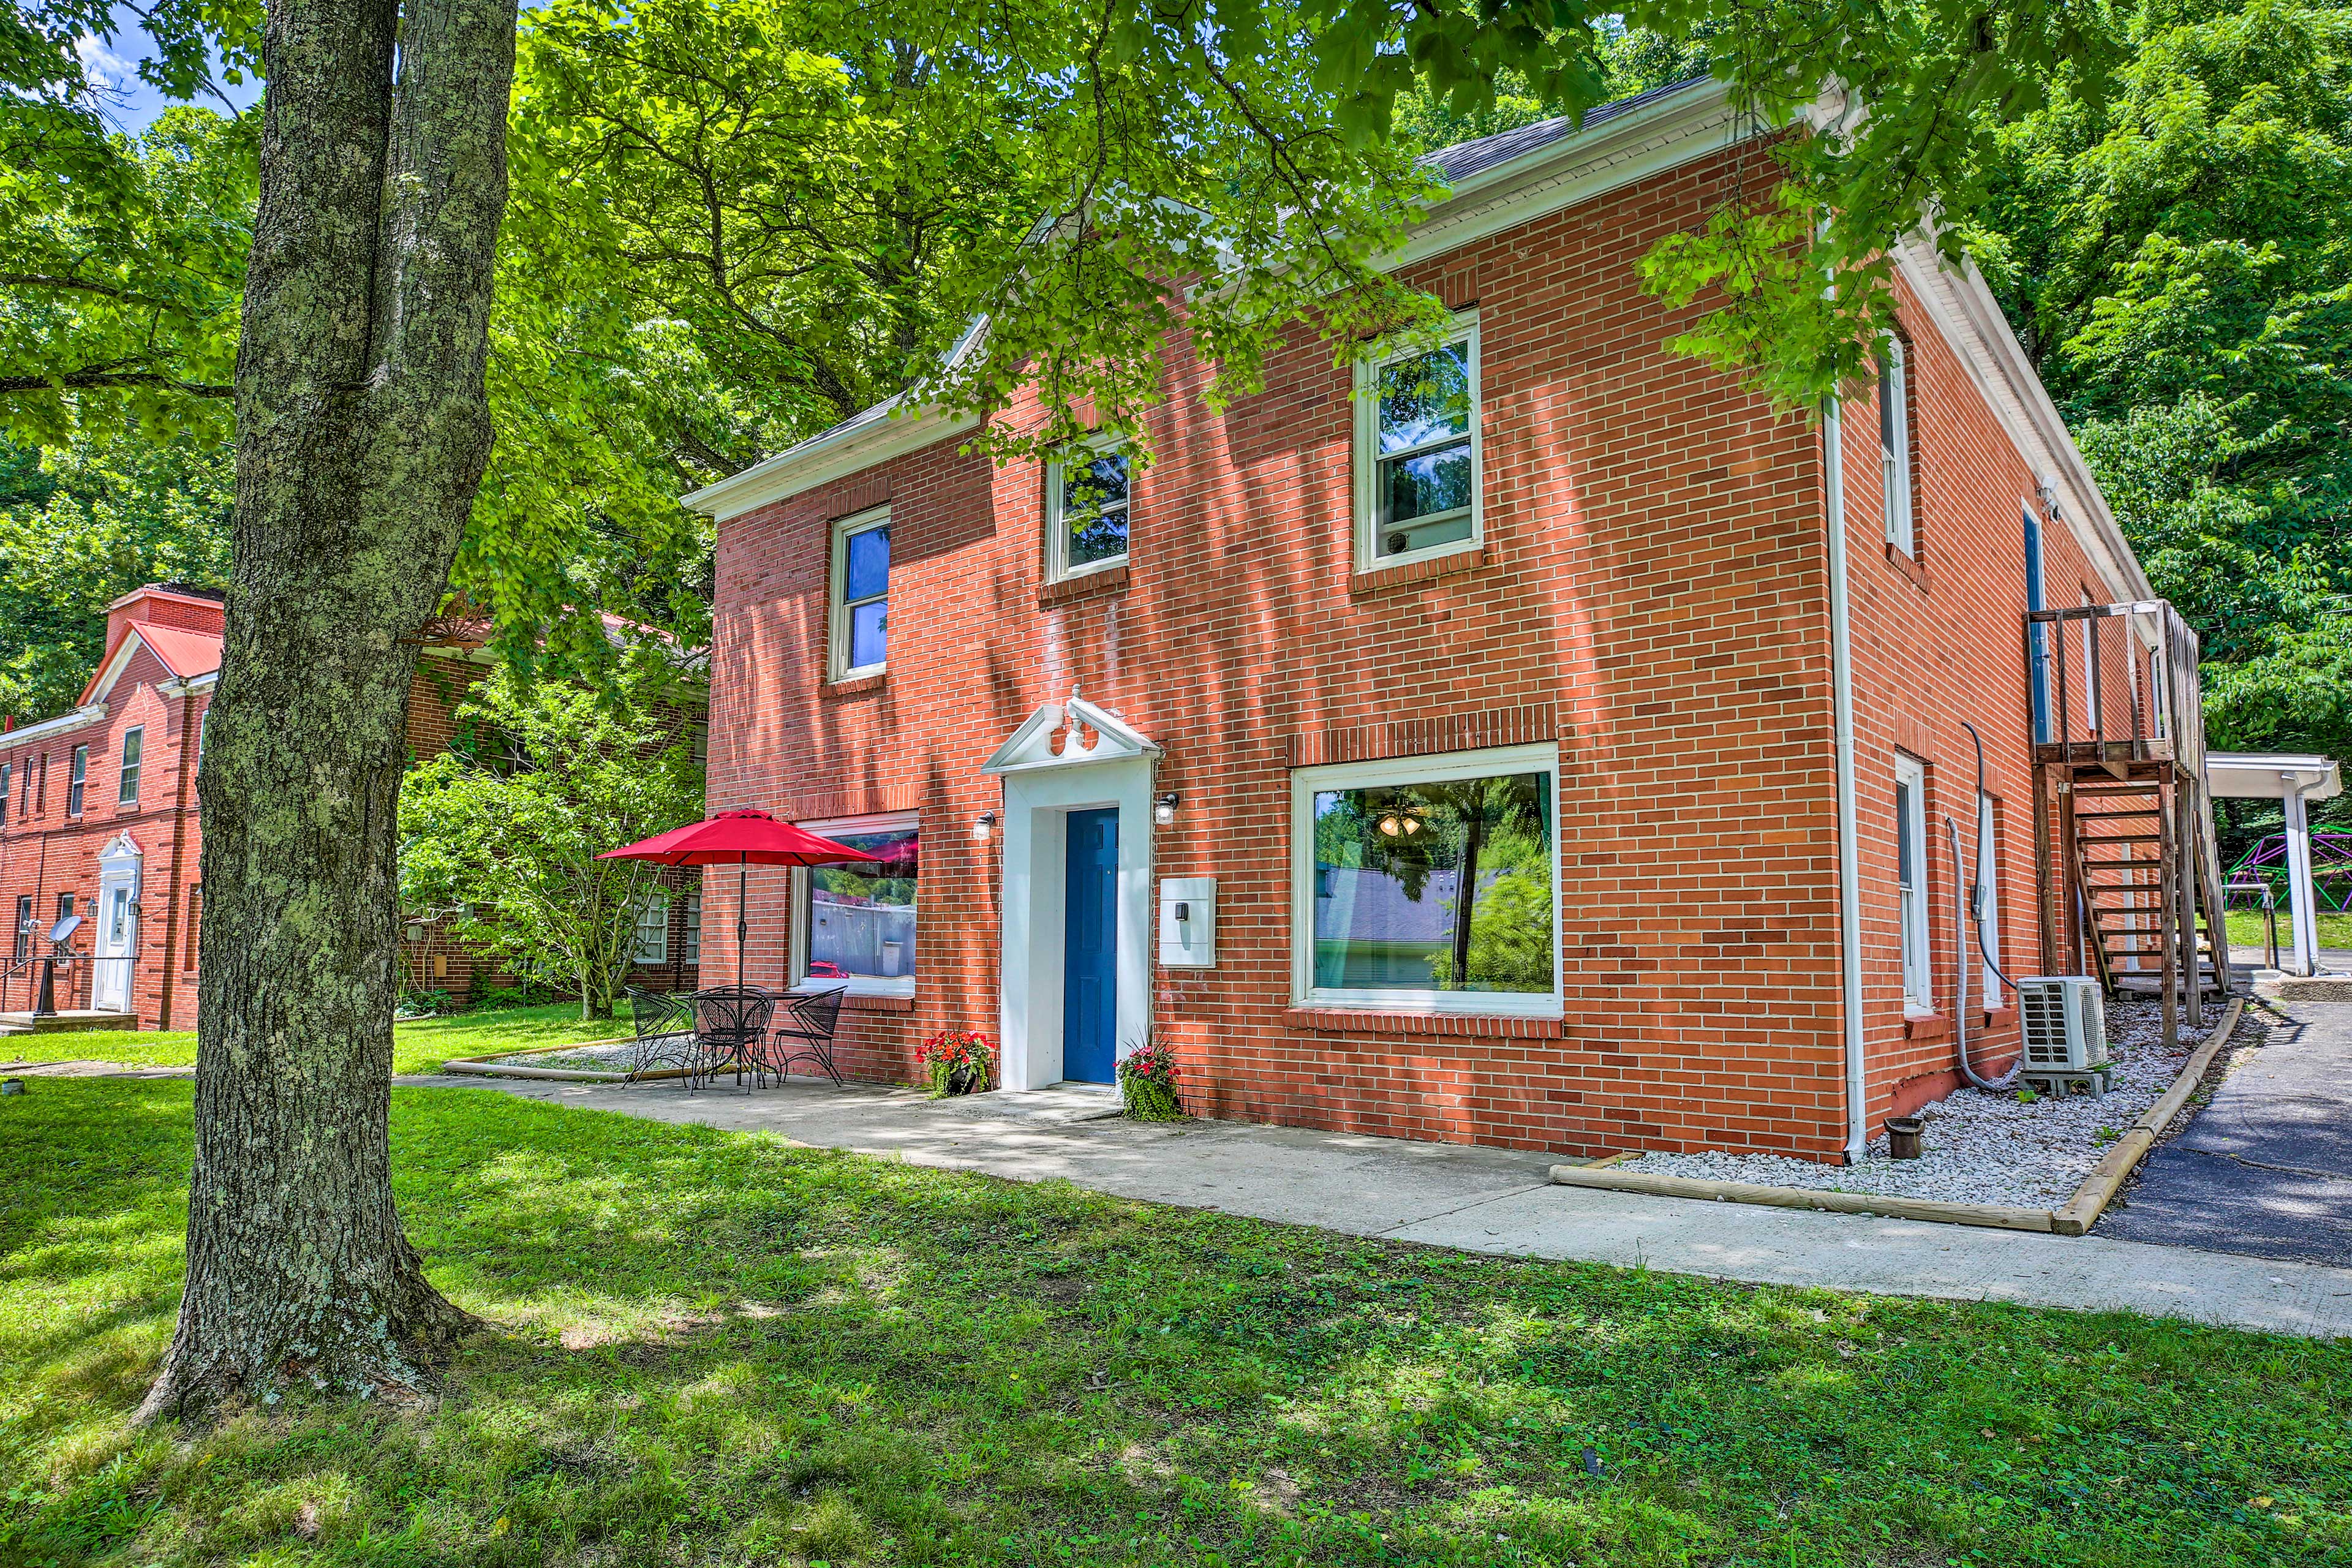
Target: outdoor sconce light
{"type": "Point", "coordinates": [984, 826]}
{"type": "Point", "coordinates": [1164, 810]}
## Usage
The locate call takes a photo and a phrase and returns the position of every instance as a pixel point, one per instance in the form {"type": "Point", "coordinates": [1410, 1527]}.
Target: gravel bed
{"type": "Point", "coordinates": [611, 1056]}
{"type": "Point", "coordinates": [1982, 1148]}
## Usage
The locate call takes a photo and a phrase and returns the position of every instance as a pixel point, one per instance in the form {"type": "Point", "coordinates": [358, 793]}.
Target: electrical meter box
{"type": "Point", "coordinates": [1188, 923]}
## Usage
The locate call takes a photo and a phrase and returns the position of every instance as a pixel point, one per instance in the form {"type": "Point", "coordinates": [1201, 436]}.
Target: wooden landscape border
{"type": "Point", "coordinates": [2075, 1217]}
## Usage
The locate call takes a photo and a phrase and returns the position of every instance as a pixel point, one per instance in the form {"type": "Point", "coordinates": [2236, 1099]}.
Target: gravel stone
{"type": "Point", "coordinates": [1982, 1148]}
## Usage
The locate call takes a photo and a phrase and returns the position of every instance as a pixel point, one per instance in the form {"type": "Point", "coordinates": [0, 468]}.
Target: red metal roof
{"type": "Point", "coordinates": [185, 653]}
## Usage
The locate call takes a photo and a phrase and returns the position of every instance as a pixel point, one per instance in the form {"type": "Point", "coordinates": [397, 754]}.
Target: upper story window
{"type": "Point", "coordinates": [1425, 884]}
{"type": "Point", "coordinates": [4, 792]}
{"type": "Point", "coordinates": [1895, 445]}
{"type": "Point", "coordinates": [854, 925]}
{"type": "Point", "coordinates": [1086, 512]}
{"type": "Point", "coordinates": [133, 742]}
{"type": "Point", "coordinates": [1417, 450]}
{"type": "Point", "coordinates": [76, 779]}
{"type": "Point", "coordinates": [859, 624]}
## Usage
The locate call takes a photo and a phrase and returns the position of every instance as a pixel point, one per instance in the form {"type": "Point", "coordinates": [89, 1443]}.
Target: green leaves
{"type": "Point", "coordinates": [509, 823]}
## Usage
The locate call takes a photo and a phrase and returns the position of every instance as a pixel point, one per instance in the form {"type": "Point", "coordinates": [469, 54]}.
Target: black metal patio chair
{"type": "Point", "coordinates": [664, 1029]}
{"type": "Point", "coordinates": [729, 1022]}
{"type": "Point", "coordinates": [805, 1035]}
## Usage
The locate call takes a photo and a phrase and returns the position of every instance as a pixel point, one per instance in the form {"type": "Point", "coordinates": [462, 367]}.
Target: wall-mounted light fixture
{"type": "Point", "coordinates": [983, 827]}
{"type": "Point", "coordinates": [1164, 810]}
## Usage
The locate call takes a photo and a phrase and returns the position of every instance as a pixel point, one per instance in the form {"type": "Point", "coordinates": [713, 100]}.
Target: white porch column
{"type": "Point", "coordinates": [2302, 902]}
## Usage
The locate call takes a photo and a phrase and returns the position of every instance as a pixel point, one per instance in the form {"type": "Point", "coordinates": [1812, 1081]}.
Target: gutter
{"type": "Point", "coordinates": [1849, 868]}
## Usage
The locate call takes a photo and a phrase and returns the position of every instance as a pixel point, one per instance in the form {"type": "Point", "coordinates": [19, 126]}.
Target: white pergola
{"type": "Point", "coordinates": [2293, 780]}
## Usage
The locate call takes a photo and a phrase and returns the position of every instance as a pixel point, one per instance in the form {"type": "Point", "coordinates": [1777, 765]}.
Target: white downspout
{"type": "Point", "coordinates": [1849, 868]}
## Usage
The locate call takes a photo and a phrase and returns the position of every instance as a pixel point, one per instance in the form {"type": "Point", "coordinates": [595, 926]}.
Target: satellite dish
{"type": "Point", "coordinates": [63, 931]}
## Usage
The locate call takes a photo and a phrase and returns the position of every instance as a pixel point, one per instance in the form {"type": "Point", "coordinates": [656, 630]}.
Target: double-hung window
{"type": "Point", "coordinates": [1989, 891]}
{"type": "Point", "coordinates": [860, 620]}
{"type": "Point", "coordinates": [1426, 884]}
{"type": "Point", "coordinates": [1895, 445]}
{"type": "Point", "coordinates": [4, 792]}
{"type": "Point", "coordinates": [854, 924]}
{"type": "Point", "coordinates": [23, 925]}
{"type": "Point", "coordinates": [1086, 512]}
{"type": "Point", "coordinates": [79, 776]}
{"type": "Point", "coordinates": [1911, 881]}
{"type": "Point", "coordinates": [653, 928]}
{"type": "Point", "coordinates": [1417, 451]}
{"type": "Point", "coordinates": [690, 935]}
{"type": "Point", "coordinates": [133, 742]}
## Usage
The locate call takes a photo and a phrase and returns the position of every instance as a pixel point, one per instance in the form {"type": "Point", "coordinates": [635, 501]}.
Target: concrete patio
{"type": "Point", "coordinates": [1484, 1200]}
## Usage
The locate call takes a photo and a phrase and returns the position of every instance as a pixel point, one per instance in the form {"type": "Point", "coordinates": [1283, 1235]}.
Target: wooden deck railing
{"type": "Point", "coordinates": [2116, 684]}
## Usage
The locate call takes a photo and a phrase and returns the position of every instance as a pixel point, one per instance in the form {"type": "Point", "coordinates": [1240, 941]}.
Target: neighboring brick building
{"type": "Point", "coordinates": [101, 819]}
{"type": "Point", "coordinates": [1553, 592]}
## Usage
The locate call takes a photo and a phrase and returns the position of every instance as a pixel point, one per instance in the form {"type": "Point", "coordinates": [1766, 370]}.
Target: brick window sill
{"type": "Point", "coordinates": [858, 688]}
{"type": "Point", "coordinates": [1909, 565]}
{"type": "Point", "coordinates": [1926, 1025]}
{"type": "Point", "coordinates": [1379, 579]}
{"type": "Point", "coordinates": [853, 1003]}
{"type": "Point", "coordinates": [1347, 1021]}
{"type": "Point", "coordinates": [1089, 585]}
{"type": "Point", "coordinates": [1999, 1017]}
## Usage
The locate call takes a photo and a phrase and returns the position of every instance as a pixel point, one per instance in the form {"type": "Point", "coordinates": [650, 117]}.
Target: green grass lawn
{"type": "Point", "coordinates": [715, 1348]}
{"type": "Point", "coordinates": [419, 1047]}
{"type": "Point", "coordinates": [2246, 928]}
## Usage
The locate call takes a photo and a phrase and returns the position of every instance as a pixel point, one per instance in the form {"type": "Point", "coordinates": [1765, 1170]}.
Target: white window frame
{"type": "Point", "coordinates": [856, 984]}
{"type": "Point", "coordinates": [689, 934]}
{"type": "Point", "coordinates": [837, 609]}
{"type": "Point", "coordinates": [1367, 476]}
{"type": "Point", "coordinates": [652, 939]}
{"type": "Point", "coordinates": [1057, 537]}
{"type": "Point", "coordinates": [1989, 879]}
{"type": "Point", "coordinates": [77, 782]}
{"type": "Point", "coordinates": [1911, 898]}
{"type": "Point", "coordinates": [127, 775]}
{"type": "Point", "coordinates": [1436, 768]}
{"type": "Point", "coordinates": [1894, 478]}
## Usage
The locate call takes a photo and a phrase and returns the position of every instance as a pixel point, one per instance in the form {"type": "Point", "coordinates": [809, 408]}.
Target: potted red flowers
{"type": "Point", "coordinates": [959, 1061]}
{"type": "Point", "coordinates": [1147, 1082]}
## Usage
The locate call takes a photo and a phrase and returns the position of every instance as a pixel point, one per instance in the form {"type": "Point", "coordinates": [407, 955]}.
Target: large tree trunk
{"type": "Point", "coordinates": [362, 429]}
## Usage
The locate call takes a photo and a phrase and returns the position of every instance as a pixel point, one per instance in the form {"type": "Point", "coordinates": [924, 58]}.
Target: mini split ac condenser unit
{"type": "Point", "coordinates": [2065, 1022]}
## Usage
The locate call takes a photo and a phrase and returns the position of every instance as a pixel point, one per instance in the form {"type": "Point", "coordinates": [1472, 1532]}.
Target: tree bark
{"type": "Point", "coordinates": [362, 429]}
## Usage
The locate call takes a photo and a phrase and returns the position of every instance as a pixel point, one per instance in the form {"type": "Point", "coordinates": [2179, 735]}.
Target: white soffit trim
{"type": "Point", "coordinates": [1032, 746]}
{"type": "Point", "coordinates": [1960, 303]}
{"type": "Point", "coordinates": [1679, 127]}
{"type": "Point", "coordinates": [63, 723]}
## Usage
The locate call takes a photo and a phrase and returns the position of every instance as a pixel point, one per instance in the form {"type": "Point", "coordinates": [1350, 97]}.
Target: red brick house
{"type": "Point", "coordinates": [1211, 752]}
{"type": "Point", "coordinates": [100, 819]}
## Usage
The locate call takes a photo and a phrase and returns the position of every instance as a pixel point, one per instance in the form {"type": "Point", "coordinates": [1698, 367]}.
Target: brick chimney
{"type": "Point", "coordinates": [180, 605]}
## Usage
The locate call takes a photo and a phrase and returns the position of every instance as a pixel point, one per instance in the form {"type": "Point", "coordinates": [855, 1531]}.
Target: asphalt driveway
{"type": "Point", "coordinates": [2265, 1170]}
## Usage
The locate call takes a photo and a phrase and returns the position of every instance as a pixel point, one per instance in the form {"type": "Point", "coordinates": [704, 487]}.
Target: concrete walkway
{"type": "Point", "coordinates": [2266, 1168]}
{"type": "Point", "coordinates": [1486, 1200]}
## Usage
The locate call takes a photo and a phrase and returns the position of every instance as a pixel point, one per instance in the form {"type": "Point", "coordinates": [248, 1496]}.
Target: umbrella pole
{"type": "Point", "coordinates": [742, 920]}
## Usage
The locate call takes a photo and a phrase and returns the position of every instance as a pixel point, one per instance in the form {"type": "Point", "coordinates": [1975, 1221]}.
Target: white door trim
{"type": "Point", "coordinates": [118, 871]}
{"type": "Point", "coordinates": [1042, 787]}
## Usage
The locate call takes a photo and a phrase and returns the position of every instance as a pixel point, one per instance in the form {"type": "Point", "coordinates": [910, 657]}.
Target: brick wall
{"type": "Point", "coordinates": [1651, 595]}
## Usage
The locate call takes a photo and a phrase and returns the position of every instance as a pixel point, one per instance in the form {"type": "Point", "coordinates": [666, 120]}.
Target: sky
{"type": "Point", "coordinates": [131, 105]}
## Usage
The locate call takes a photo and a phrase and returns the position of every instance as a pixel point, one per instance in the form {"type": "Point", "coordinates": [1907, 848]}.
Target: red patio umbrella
{"type": "Point", "coordinates": [738, 839]}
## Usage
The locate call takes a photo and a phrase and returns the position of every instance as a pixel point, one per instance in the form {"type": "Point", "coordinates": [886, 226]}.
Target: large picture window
{"type": "Point", "coordinates": [1086, 512]}
{"type": "Point", "coordinates": [860, 620]}
{"type": "Point", "coordinates": [1417, 451]}
{"type": "Point", "coordinates": [1428, 884]}
{"type": "Point", "coordinates": [854, 925]}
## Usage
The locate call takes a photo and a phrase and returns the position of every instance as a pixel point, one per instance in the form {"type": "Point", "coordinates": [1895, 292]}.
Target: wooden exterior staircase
{"type": "Point", "coordinates": [2127, 870]}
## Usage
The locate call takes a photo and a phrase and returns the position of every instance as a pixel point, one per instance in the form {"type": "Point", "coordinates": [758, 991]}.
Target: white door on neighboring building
{"type": "Point", "coordinates": [117, 928]}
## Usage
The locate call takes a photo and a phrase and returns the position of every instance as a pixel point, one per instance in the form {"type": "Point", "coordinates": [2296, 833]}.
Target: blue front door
{"type": "Point", "coordinates": [1089, 947]}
